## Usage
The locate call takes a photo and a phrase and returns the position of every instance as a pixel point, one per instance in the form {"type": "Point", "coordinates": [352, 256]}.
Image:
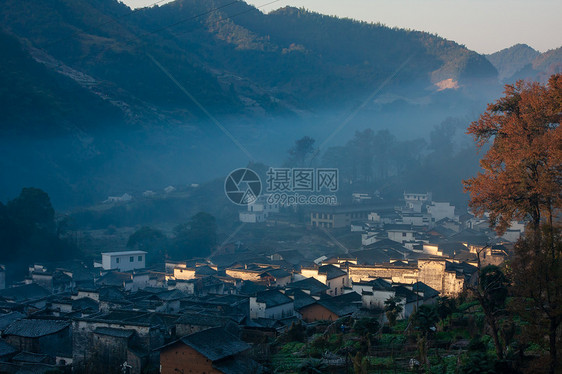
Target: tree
{"type": "Point", "coordinates": [423, 322]}
{"type": "Point", "coordinates": [150, 240]}
{"type": "Point", "coordinates": [491, 293]}
{"type": "Point", "coordinates": [299, 153]}
{"type": "Point", "coordinates": [362, 149]}
{"type": "Point", "coordinates": [521, 175]}
{"type": "Point", "coordinates": [195, 238]}
{"type": "Point", "coordinates": [392, 308]}
{"type": "Point", "coordinates": [537, 275]}
{"type": "Point", "coordinates": [33, 207]}
{"type": "Point", "coordinates": [522, 180]}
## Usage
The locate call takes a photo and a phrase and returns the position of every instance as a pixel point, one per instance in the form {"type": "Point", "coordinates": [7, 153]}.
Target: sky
{"type": "Point", "coordinates": [485, 26]}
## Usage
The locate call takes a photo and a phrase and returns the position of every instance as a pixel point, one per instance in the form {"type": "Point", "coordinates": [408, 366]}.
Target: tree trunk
{"type": "Point", "coordinates": [495, 336]}
{"type": "Point", "coordinates": [552, 348]}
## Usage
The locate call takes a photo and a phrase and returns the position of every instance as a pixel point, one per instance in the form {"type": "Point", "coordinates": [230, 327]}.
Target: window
{"type": "Point", "coordinates": [117, 260]}
{"type": "Point", "coordinates": [132, 259]}
{"type": "Point", "coordinates": [140, 258]}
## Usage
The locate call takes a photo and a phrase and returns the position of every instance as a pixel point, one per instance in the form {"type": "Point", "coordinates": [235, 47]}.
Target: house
{"type": "Point", "coordinates": [382, 251]}
{"type": "Point", "coordinates": [102, 331]}
{"type": "Point", "coordinates": [338, 216]}
{"type": "Point", "coordinates": [331, 308]}
{"type": "Point", "coordinates": [400, 233]}
{"type": "Point", "coordinates": [123, 261]}
{"type": "Point", "coordinates": [271, 304]}
{"type": "Point", "coordinates": [211, 351]}
{"type": "Point", "coordinates": [112, 347]}
{"type": "Point", "coordinates": [415, 201]}
{"type": "Point", "coordinates": [429, 295]}
{"type": "Point", "coordinates": [7, 319]}
{"type": "Point", "coordinates": [335, 278]}
{"type": "Point", "coordinates": [259, 210]}
{"type": "Point", "coordinates": [192, 322]}
{"type": "Point", "coordinates": [28, 293]}
{"type": "Point", "coordinates": [275, 277]}
{"type": "Point", "coordinates": [117, 279]}
{"type": "Point", "coordinates": [373, 292]}
{"type": "Point", "coordinates": [52, 337]}
{"type": "Point", "coordinates": [7, 351]}
{"type": "Point", "coordinates": [310, 286]}
{"type": "Point", "coordinates": [409, 299]}
{"type": "Point", "coordinates": [439, 211]}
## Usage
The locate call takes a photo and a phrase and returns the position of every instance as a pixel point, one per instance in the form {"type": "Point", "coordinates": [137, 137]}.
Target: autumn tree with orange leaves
{"type": "Point", "coordinates": [521, 179]}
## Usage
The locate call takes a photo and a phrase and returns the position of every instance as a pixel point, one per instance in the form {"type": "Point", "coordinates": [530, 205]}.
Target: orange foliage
{"type": "Point", "coordinates": [522, 172]}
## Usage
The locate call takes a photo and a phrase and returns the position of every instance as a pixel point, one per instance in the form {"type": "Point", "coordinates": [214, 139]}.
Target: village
{"type": "Point", "coordinates": [221, 314]}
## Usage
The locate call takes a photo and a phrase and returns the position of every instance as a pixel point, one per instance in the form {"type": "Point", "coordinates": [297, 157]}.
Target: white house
{"type": "Point", "coordinates": [438, 211]}
{"type": "Point", "coordinates": [415, 201]}
{"type": "Point", "coordinates": [123, 261]}
{"type": "Point", "coordinates": [374, 292]}
{"type": "Point", "coordinates": [271, 304]}
{"type": "Point", "coordinates": [259, 210]}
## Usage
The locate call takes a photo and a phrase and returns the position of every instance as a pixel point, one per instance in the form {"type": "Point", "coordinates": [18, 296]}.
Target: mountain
{"type": "Point", "coordinates": [235, 60]}
{"type": "Point", "coordinates": [523, 62]}
{"type": "Point", "coordinates": [510, 60]}
{"type": "Point", "coordinates": [102, 100]}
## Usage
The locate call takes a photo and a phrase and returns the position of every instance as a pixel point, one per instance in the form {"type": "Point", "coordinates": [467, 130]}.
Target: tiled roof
{"type": "Point", "coordinates": [31, 357]}
{"type": "Point", "coordinates": [7, 319]}
{"type": "Point", "coordinates": [277, 273]}
{"type": "Point", "coordinates": [6, 349]}
{"type": "Point", "coordinates": [428, 292]}
{"type": "Point", "coordinates": [311, 284]}
{"type": "Point", "coordinates": [342, 305]}
{"type": "Point", "coordinates": [34, 328]}
{"type": "Point", "coordinates": [115, 278]}
{"type": "Point", "coordinates": [331, 271]}
{"type": "Point", "coordinates": [198, 319]}
{"type": "Point", "coordinates": [26, 292]}
{"type": "Point", "coordinates": [116, 333]}
{"type": "Point", "coordinates": [300, 298]}
{"type": "Point", "coordinates": [406, 294]}
{"type": "Point", "coordinates": [272, 298]}
{"type": "Point", "coordinates": [379, 284]}
{"type": "Point", "coordinates": [215, 344]}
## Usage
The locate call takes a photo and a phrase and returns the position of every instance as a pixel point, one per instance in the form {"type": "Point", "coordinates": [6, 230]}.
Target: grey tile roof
{"type": "Point", "coordinates": [6, 349]}
{"type": "Point", "coordinates": [378, 284]}
{"type": "Point", "coordinates": [342, 305]}
{"type": "Point", "coordinates": [405, 294]}
{"type": "Point", "coordinates": [311, 284]}
{"type": "Point", "coordinates": [205, 270]}
{"type": "Point", "coordinates": [331, 271]}
{"type": "Point", "coordinates": [31, 357]}
{"type": "Point", "coordinates": [198, 319]}
{"type": "Point", "coordinates": [272, 298]}
{"type": "Point", "coordinates": [251, 288]}
{"type": "Point", "coordinates": [85, 303]}
{"type": "Point", "coordinates": [300, 298]}
{"type": "Point", "coordinates": [34, 328]}
{"type": "Point", "coordinates": [428, 292]}
{"type": "Point", "coordinates": [372, 256]}
{"type": "Point", "coordinates": [26, 292]}
{"type": "Point", "coordinates": [7, 319]}
{"type": "Point", "coordinates": [215, 344]}
{"type": "Point", "coordinates": [277, 273]}
{"type": "Point", "coordinates": [116, 333]}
